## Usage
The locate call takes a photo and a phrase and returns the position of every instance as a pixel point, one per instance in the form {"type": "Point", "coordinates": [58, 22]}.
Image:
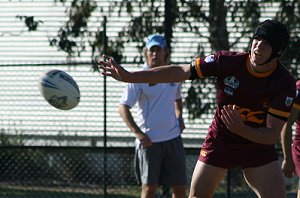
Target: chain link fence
{"type": "Point", "coordinates": [46, 152]}
{"type": "Point", "coordinates": [83, 172]}
{"type": "Point", "coordinates": [85, 152]}
{"type": "Point", "coordinates": [60, 172]}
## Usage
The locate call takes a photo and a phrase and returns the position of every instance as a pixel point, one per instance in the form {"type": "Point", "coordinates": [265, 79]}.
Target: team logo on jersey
{"type": "Point", "coordinates": [250, 115]}
{"type": "Point", "coordinates": [232, 82]}
{"type": "Point", "coordinates": [203, 153]}
{"type": "Point", "coordinates": [209, 59]}
{"type": "Point", "coordinates": [288, 101]}
{"type": "Point", "coordinates": [228, 91]}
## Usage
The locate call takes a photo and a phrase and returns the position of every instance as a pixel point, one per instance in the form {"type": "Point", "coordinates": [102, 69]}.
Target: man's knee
{"type": "Point", "coordinates": [148, 190]}
{"type": "Point", "coordinates": [179, 191]}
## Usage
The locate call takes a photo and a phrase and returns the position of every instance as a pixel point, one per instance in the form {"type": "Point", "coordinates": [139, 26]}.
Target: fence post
{"type": "Point", "coordinates": [228, 183]}
{"type": "Point", "coordinates": [168, 23]}
{"type": "Point", "coordinates": [104, 41]}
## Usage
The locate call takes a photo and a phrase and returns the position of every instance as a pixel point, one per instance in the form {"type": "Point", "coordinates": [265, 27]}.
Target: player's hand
{"type": "Point", "coordinates": [181, 124]}
{"type": "Point", "coordinates": [288, 168]}
{"type": "Point", "coordinates": [144, 139]}
{"type": "Point", "coordinates": [231, 118]}
{"type": "Point", "coordinates": [110, 68]}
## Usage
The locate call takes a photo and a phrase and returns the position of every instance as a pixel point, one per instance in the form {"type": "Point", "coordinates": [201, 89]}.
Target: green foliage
{"type": "Point", "coordinates": [70, 36]}
{"type": "Point", "coordinates": [11, 140]}
{"type": "Point", "coordinates": [150, 21]}
{"type": "Point", "coordinates": [289, 14]}
{"type": "Point", "coordinates": [194, 103]}
{"type": "Point", "coordinates": [30, 23]}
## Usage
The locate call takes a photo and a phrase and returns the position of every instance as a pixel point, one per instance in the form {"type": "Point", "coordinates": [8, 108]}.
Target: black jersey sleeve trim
{"type": "Point", "coordinates": [194, 74]}
{"type": "Point", "coordinates": [279, 117]}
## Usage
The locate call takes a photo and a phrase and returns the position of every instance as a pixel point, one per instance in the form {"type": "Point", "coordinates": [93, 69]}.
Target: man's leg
{"type": "Point", "coordinates": [179, 191]}
{"type": "Point", "coordinates": [165, 192]}
{"type": "Point", "coordinates": [267, 180]}
{"type": "Point", "coordinates": [148, 191]}
{"type": "Point", "coordinates": [205, 180]}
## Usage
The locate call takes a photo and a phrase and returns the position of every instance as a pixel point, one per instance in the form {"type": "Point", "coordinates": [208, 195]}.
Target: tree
{"type": "Point", "coordinates": [215, 15]}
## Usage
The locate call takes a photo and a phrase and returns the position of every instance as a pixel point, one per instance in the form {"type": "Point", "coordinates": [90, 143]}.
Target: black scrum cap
{"type": "Point", "coordinates": [275, 33]}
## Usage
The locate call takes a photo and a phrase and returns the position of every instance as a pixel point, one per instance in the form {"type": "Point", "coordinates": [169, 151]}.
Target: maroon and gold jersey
{"type": "Point", "coordinates": [297, 106]}
{"type": "Point", "coordinates": [255, 94]}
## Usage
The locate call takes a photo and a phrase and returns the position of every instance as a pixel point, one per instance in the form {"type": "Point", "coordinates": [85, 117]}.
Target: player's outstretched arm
{"type": "Point", "coordinates": [162, 74]}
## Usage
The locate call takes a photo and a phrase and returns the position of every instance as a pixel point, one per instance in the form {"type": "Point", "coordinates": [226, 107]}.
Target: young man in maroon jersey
{"type": "Point", "coordinates": [255, 96]}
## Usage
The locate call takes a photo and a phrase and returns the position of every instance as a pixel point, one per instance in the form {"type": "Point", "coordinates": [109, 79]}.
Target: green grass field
{"type": "Point", "coordinates": [42, 192]}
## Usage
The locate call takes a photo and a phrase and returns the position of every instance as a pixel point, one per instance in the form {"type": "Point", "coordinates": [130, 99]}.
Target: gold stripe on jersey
{"type": "Point", "coordinates": [279, 113]}
{"type": "Point", "coordinates": [198, 69]}
{"type": "Point", "coordinates": [297, 106]}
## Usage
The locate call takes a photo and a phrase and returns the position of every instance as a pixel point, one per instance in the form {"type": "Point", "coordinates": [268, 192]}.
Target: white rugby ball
{"type": "Point", "coordinates": [59, 89]}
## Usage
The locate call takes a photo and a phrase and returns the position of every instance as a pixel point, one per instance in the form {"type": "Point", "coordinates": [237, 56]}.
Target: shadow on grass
{"type": "Point", "coordinates": [17, 193]}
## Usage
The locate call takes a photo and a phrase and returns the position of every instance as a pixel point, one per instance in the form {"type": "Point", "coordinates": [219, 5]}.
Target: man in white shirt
{"type": "Point", "coordinates": [160, 156]}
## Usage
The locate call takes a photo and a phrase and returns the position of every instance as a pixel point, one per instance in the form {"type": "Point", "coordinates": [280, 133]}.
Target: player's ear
{"type": "Point", "coordinates": [145, 53]}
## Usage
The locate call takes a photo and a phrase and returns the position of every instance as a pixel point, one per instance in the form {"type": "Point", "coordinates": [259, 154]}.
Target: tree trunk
{"type": "Point", "coordinates": [217, 25]}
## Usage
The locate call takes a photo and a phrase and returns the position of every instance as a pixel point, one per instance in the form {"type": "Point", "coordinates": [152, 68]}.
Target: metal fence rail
{"type": "Point", "coordinates": [77, 172]}
{"type": "Point", "coordinates": [54, 172]}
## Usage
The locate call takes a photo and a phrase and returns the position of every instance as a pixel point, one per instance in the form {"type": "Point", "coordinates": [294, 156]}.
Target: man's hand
{"type": "Point", "coordinates": [231, 118]}
{"type": "Point", "coordinates": [144, 139]}
{"type": "Point", "coordinates": [288, 168]}
{"type": "Point", "coordinates": [110, 68]}
{"type": "Point", "coordinates": [181, 124]}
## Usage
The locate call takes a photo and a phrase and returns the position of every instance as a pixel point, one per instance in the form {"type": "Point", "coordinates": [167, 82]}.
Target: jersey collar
{"type": "Point", "coordinates": [259, 74]}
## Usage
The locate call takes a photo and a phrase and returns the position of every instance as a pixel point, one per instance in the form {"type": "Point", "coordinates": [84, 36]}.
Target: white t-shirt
{"type": "Point", "coordinates": [156, 108]}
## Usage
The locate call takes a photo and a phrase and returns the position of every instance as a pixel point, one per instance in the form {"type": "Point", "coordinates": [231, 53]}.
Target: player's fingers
{"type": "Point", "coordinates": [146, 142]}
{"type": "Point", "coordinates": [235, 110]}
{"type": "Point", "coordinates": [114, 63]}
{"type": "Point", "coordinates": [106, 58]}
{"type": "Point", "coordinates": [226, 119]}
{"type": "Point", "coordinates": [228, 123]}
{"type": "Point", "coordinates": [102, 67]}
{"type": "Point", "coordinates": [229, 108]}
{"type": "Point", "coordinates": [106, 74]}
{"type": "Point", "coordinates": [235, 107]}
{"type": "Point", "coordinates": [104, 63]}
{"type": "Point", "coordinates": [227, 113]}
{"type": "Point", "coordinates": [232, 112]}
{"type": "Point", "coordinates": [105, 69]}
